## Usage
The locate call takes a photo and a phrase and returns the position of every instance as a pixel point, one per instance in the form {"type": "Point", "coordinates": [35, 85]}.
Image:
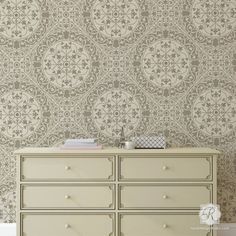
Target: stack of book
{"type": "Point", "coordinates": [82, 144]}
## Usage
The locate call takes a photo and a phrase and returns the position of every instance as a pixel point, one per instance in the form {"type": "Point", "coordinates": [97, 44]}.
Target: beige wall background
{"type": "Point", "coordinates": [86, 68]}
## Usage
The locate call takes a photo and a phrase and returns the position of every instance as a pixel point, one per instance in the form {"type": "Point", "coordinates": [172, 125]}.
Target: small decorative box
{"type": "Point", "coordinates": [149, 142]}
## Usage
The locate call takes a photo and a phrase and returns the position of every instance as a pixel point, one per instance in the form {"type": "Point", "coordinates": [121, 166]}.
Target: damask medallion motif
{"type": "Point", "coordinates": [217, 61]}
{"type": "Point", "coordinates": [166, 13]}
{"type": "Point", "coordinates": [25, 114]}
{"type": "Point", "coordinates": [116, 109]}
{"type": "Point", "coordinates": [19, 18]}
{"type": "Point", "coordinates": [117, 63]}
{"type": "Point", "coordinates": [67, 13]}
{"type": "Point", "coordinates": [214, 112]}
{"type": "Point", "coordinates": [166, 63]}
{"type": "Point", "coordinates": [66, 64]}
{"type": "Point", "coordinates": [14, 65]}
{"type": "Point", "coordinates": [210, 112]}
{"type": "Point", "coordinates": [214, 18]}
{"type": "Point", "coordinates": [116, 23]}
{"type": "Point", "coordinates": [68, 116]}
{"type": "Point", "coordinates": [114, 105]}
{"type": "Point", "coordinates": [212, 22]}
{"type": "Point", "coordinates": [167, 113]}
{"type": "Point", "coordinates": [23, 22]}
{"type": "Point", "coordinates": [20, 114]}
{"type": "Point", "coordinates": [115, 18]}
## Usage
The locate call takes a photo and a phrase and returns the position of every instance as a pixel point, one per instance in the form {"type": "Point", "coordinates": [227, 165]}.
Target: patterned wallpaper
{"type": "Point", "coordinates": [86, 68]}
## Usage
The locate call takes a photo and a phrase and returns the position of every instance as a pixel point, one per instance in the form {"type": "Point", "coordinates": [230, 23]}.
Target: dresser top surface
{"type": "Point", "coordinates": [54, 150]}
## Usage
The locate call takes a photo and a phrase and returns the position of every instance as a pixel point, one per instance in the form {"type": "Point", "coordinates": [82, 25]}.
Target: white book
{"type": "Point", "coordinates": [81, 148]}
{"type": "Point", "coordinates": [88, 140]}
{"type": "Point", "coordinates": [80, 145]}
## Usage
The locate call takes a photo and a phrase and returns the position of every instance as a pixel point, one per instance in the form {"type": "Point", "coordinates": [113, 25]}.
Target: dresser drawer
{"type": "Point", "coordinates": [76, 168]}
{"type": "Point", "coordinates": [165, 168]}
{"type": "Point", "coordinates": [67, 224]}
{"type": "Point", "coordinates": [152, 224]}
{"type": "Point", "coordinates": [73, 196]}
{"type": "Point", "coordinates": [153, 196]}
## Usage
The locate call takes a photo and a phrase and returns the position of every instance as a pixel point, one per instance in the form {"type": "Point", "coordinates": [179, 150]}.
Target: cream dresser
{"type": "Point", "coordinates": [114, 192]}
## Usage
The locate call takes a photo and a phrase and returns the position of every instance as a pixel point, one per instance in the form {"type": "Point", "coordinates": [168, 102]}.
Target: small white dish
{"type": "Point", "coordinates": [130, 145]}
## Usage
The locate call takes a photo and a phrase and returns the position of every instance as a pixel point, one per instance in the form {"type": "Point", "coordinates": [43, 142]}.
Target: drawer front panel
{"type": "Point", "coordinates": [67, 168]}
{"type": "Point", "coordinates": [163, 225]}
{"type": "Point", "coordinates": [67, 225]}
{"type": "Point", "coordinates": [165, 169]}
{"type": "Point", "coordinates": [152, 196]}
{"type": "Point", "coordinates": [68, 197]}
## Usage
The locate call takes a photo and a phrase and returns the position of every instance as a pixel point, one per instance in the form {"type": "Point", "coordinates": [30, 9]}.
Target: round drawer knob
{"type": "Point", "coordinates": [164, 196]}
{"type": "Point", "coordinates": [67, 196]}
{"type": "Point", "coordinates": [67, 226]}
{"type": "Point", "coordinates": [165, 226]}
{"type": "Point", "coordinates": [67, 167]}
{"type": "Point", "coordinates": [164, 168]}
